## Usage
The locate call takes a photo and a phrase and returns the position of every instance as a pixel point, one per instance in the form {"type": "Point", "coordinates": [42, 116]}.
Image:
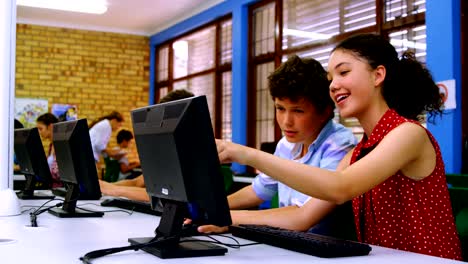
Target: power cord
{"type": "Point", "coordinates": [33, 219]}
{"type": "Point", "coordinates": [33, 215]}
{"type": "Point", "coordinates": [106, 211]}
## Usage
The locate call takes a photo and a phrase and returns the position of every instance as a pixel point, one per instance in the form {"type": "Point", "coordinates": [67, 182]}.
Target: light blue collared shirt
{"type": "Point", "coordinates": [326, 152]}
{"type": "Point", "coordinates": [331, 145]}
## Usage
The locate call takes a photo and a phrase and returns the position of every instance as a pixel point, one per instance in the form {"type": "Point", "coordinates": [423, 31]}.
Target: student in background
{"type": "Point", "coordinates": [45, 124]}
{"type": "Point", "coordinates": [100, 132]}
{"type": "Point", "coordinates": [395, 176]}
{"type": "Point", "coordinates": [124, 139]}
{"type": "Point", "coordinates": [304, 112]}
{"type": "Point", "coordinates": [135, 188]}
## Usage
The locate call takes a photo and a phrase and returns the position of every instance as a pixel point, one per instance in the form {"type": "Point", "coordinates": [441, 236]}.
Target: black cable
{"type": "Point", "coordinates": [33, 218]}
{"type": "Point", "coordinates": [32, 208]}
{"type": "Point", "coordinates": [48, 201]}
{"type": "Point", "coordinates": [33, 215]}
{"type": "Point", "coordinates": [117, 210]}
{"type": "Point", "coordinates": [215, 241]}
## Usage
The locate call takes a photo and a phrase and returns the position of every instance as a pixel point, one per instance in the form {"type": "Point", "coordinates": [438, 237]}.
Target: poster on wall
{"type": "Point", "coordinates": [448, 92]}
{"type": "Point", "coordinates": [65, 112]}
{"type": "Point", "coordinates": [27, 110]}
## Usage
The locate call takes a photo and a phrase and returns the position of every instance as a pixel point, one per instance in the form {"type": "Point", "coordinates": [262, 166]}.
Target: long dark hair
{"type": "Point", "coordinates": [408, 87]}
{"type": "Point", "coordinates": [113, 115]}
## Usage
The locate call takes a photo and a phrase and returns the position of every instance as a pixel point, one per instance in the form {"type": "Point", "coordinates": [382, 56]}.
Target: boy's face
{"type": "Point", "coordinates": [299, 120]}
{"type": "Point", "coordinates": [125, 143]}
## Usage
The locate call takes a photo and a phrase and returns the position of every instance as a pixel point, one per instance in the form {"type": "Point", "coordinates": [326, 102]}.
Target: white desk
{"type": "Point", "coordinates": [60, 241]}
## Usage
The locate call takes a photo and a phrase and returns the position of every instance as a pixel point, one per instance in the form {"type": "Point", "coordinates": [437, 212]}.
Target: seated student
{"type": "Point", "coordinates": [304, 112]}
{"type": "Point", "coordinates": [124, 139]}
{"type": "Point", "coordinates": [135, 188]}
{"type": "Point", "coordinates": [45, 126]}
{"type": "Point", "coordinates": [395, 176]}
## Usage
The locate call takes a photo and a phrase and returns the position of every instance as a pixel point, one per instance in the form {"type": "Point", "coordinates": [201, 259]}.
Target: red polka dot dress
{"type": "Point", "coordinates": [402, 213]}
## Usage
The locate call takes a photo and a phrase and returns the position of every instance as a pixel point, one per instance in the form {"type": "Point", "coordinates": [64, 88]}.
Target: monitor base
{"type": "Point", "coordinates": [59, 212]}
{"type": "Point", "coordinates": [181, 250]}
{"type": "Point", "coordinates": [24, 196]}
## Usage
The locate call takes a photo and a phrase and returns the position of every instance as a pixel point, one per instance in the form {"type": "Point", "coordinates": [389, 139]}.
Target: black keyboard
{"type": "Point", "coordinates": [307, 243]}
{"type": "Point", "coordinates": [132, 205]}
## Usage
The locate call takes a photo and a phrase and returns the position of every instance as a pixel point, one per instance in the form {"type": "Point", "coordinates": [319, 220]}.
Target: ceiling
{"type": "Point", "coordinates": [138, 17]}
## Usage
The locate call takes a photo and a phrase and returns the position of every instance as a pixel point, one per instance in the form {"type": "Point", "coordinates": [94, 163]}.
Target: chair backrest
{"type": "Point", "coordinates": [459, 198]}
{"type": "Point", "coordinates": [268, 147]}
{"type": "Point", "coordinates": [228, 177]}
{"type": "Point", "coordinates": [111, 173]}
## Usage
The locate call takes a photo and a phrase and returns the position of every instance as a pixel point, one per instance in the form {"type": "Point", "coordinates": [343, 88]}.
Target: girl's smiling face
{"type": "Point", "coordinates": [353, 83]}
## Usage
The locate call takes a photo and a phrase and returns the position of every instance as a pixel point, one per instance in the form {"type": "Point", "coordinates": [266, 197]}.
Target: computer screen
{"type": "Point", "coordinates": [32, 161]}
{"type": "Point", "coordinates": [76, 167]}
{"type": "Point", "coordinates": [181, 168]}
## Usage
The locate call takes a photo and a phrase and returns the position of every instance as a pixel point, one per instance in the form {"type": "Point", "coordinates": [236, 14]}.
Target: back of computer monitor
{"type": "Point", "coordinates": [75, 159]}
{"type": "Point", "coordinates": [77, 168]}
{"type": "Point", "coordinates": [177, 150]}
{"type": "Point", "coordinates": [33, 164]}
{"type": "Point", "coordinates": [181, 167]}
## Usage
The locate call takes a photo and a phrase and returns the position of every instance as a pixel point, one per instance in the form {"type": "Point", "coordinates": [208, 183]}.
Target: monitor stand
{"type": "Point", "coordinates": [23, 195]}
{"type": "Point", "coordinates": [170, 226]}
{"type": "Point", "coordinates": [182, 249]}
{"type": "Point", "coordinates": [69, 209]}
{"type": "Point", "coordinates": [59, 212]}
{"type": "Point", "coordinates": [28, 192]}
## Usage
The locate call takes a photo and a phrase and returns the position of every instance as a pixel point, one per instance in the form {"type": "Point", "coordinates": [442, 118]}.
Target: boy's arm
{"type": "Point", "coordinates": [289, 217]}
{"type": "Point", "coordinates": [130, 192]}
{"type": "Point", "coordinates": [128, 167]}
{"type": "Point", "coordinates": [137, 182]}
{"type": "Point", "coordinates": [244, 198]}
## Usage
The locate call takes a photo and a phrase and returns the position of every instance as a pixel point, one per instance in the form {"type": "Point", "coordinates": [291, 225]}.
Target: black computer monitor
{"type": "Point", "coordinates": [32, 161]}
{"type": "Point", "coordinates": [76, 166]}
{"type": "Point", "coordinates": [181, 168]}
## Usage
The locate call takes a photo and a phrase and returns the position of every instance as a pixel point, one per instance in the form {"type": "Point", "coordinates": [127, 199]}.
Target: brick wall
{"type": "Point", "coordinates": [97, 71]}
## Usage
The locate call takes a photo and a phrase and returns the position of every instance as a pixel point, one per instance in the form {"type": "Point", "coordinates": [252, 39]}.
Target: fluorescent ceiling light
{"type": "Point", "coordinates": [305, 34]}
{"type": "Point", "coordinates": [82, 6]}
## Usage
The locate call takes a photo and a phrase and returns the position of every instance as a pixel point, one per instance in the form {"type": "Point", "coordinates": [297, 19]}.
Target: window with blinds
{"type": "Point", "coordinates": [194, 53]}
{"type": "Point", "coordinates": [200, 85]}
{"type": "Point", "coordinates": [226, 42]}
{"type": "Point", "coordinates": [311, 28]}
{"type": "Point", "coordinates": [163, 91]}
{"type": "Point", "coordinates": [163, 64]}
{"type": "Point", "coordinates": [265, 116]}
{"type": "Point", "coordinates": [319, 53]}
{"type": "Point", "coordinates": [192, 62]}
{"type": "Point", "coordinates": [226, 127]}
{"type": "Point", "coordinates": [395, 9]}
{"type": "Point", "coordinates": [412, 39]}
{"type": "Point", "coordinates": [264, 30]}
{"type": "Point", "coordinates": [308, 22]}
